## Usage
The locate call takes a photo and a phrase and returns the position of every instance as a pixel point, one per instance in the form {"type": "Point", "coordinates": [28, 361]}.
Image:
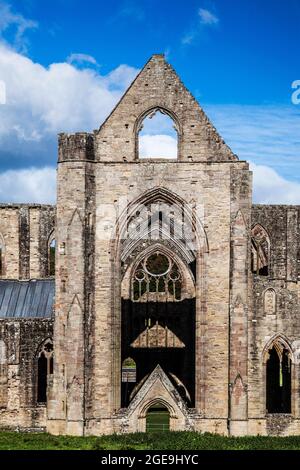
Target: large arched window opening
{"type": "Point", "coordinates": [158, 321]}
{"type": "Point", "coordinates": [157, 135]}
{"type": "Point", "coordinates": [260, 254]}
{"type": "Point", "coordinates": [44, 369]}
{"type": "Point", "coordinates": [157, 329]}
{"type": "Point", "coordinates": [51, 255]}
{"type": "Point", "coordinates": [278, 379]}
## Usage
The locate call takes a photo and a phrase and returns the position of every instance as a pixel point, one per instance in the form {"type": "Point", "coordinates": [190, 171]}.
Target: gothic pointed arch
{"type": "Point", "coordinates": [75, 216]}
{"type": "Point", "coordinates": [175, 261]}
{"type": "Point", "coordinates": [74, 305]}
{"type": "Point", "coordinates": [154, 109]}
{"type": "Point", "coordinates": [159, 248]}
{"type": "Point", "coordinates": [280, 341]}
{"type": "Point", "coordinates": [51, 253]}
{"type": "Point", "coordinates": [239, 227]}
{"type": "Point", "coordinates": [278, 360]}
{"type": "Point", "coordinates": [260, 250]}
{"type": "Point", "coordinates": [171, 229]}
{"type": "Point", "coordinates": [167, 130]}
{"type": "Point", "coordinates": [44, 368]}
{"type": "Point", "coordinates": [193, 230]}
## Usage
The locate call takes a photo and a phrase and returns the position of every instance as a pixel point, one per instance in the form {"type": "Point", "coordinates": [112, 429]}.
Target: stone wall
{"type": "Point", "coordinates": [275, 311]}
{"type": "Point", "coordinates": [19, 344]}
{"type": "Point", "coordinates": [24, 234]}
{"type": "Point", "coordinates": [238, 314]}
{"type": "Point", "coordinates": [101, 170]}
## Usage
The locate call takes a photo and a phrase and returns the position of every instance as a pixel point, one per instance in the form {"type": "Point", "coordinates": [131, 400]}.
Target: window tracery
{"type": "Point", "coordinates": [156, 278]}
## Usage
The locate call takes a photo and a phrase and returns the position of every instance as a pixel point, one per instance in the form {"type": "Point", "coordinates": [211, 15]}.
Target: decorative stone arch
{"type": "Point", "coordinates": [156, 389]}
{"type": "Point", "coordinates": [276, 340]}
{"type": "Point", "coordinates": [149, 412]}
{"type": "Point", "coordinates": [160, 194]}
{"type": "Point", "coordinates": [260, 249]}
{"type": "Point", "coordinates": [154, 195]}
{"type": "Point", "coordinates": [50, 260]}
{"type": "Point", "coordinates": [51, 237]}
{"type": "Point", "coordinates": [157, 401]}
{"type": "Point", "coordinates": [151, 112]}
{"type": "Point", "coordinates": [2, 256]}
{"type": "Point", "coordinates": [280, 343]}
{"type": "Point", "coordinates": [270, 300]}
{"type": "Point", "coordinates": [187, 277]}
{"type": "Point", "coordinates": [43, 369]}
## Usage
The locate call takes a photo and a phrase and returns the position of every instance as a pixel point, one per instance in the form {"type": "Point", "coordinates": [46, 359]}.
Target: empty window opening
{"type": "Point", "coordinates": [129, 370]}
{"type": "Point", "coordinates": [51, 256]}
{"type": "Point", "coordinates": [128, 378]}
{"type": "Point", "coordinates": [1, 256]}
{"type": "Point", "coordinates": [260, 251]}
{"type": "Point", "coordinates": [157, 136]}
{"type": "Point", "coordinates": [157, 419]}
{"type": "Point", "coordinates": [44, 370]}
{"type": "Point", "coordinates": [278, 380]}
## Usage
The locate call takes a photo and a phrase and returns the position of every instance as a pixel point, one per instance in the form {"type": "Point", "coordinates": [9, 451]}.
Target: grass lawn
{"type": "Point", "coordinates": [148, 441]}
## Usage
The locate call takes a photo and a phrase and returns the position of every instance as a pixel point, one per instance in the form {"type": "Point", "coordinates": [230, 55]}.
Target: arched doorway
{"type": "Point", "coordinates": [157, 419]}
{"type": "Point", "coordinates": [278, 380]}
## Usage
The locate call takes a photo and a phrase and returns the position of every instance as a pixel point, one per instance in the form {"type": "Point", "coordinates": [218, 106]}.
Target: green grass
{"type": "Point", "coordinates": [147, 441]}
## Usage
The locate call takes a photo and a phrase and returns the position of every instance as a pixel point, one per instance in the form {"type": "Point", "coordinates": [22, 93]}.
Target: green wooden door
{"type": "Point", "coordinates": [157, 419]}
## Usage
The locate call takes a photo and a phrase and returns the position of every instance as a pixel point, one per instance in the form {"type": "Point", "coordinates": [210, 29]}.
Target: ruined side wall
{"type": "Point", "coordinates": [19, 343]}
{"type": "Point", "coordinates": [25, 231]}
{"type": "Point", "coordinates": [275, 310]}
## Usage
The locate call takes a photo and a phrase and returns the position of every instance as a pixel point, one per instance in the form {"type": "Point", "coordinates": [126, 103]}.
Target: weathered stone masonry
{"type": "Point", "coordinates": [207, 336]}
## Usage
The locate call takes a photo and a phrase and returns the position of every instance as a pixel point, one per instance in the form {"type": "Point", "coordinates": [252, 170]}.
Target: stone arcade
{"type": "Point", "coordinates": [185, 305]}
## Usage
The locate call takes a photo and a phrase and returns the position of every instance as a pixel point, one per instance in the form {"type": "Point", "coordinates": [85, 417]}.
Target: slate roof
{"type": "Point", "coordinates": [27, 299]}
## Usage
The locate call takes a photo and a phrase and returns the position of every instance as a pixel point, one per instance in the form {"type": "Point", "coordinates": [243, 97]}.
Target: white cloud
{"type": "Point", "coordinates": [270, 188]}
{"type": "Point", "coordinates": [40, 102]}
{"type": "Point", "coordinates": [81, 59]}
{"type": "Point", "coordinates": [207, 17]}
{"type": "Point", "coordinates": [188, 38]}
{"type": "Point", "coordinates": [263, 134]}
{"type": "Point", "coordinates": [35, 185]}
{"type": "Point", "coordinates": [17, 22]}
{"type": "Point", "coordinates": [156, 146]}
{"type": "Point", "coordinates": [44, 101]}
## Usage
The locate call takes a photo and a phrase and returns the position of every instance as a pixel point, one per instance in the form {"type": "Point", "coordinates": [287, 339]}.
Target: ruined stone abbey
{"type": "Point", "coordinates": [154, 284]}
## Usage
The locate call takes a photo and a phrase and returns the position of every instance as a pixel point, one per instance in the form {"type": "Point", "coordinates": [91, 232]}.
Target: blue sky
{"type": "Point", "coordinates": [65, 63]}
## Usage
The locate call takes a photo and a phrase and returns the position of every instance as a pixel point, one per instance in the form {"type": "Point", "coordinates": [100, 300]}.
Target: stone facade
{"type": "Point", "coordinates": [209, 330]}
